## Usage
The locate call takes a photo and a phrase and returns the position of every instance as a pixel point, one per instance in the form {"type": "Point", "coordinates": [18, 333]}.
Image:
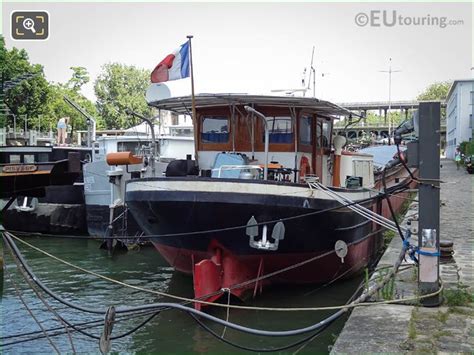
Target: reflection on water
{"type": "Point", "coordinates": [170, 331]}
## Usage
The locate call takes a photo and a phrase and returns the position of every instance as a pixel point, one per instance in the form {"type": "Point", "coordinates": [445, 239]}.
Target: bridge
{"type": "Point", "coordinates": [383, 106]}
{"type": "Point", "coordinates": [379, 129]}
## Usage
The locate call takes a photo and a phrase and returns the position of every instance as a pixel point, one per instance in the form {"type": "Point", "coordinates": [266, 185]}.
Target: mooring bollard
{"type": "Point", "coordinates": [429, 201]}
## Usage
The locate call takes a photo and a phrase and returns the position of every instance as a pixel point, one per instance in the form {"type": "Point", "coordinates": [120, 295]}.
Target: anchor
{"type": "Point", "coordinates": [278, 234]}
{"type": "Point", "coordinates": [26, 207]}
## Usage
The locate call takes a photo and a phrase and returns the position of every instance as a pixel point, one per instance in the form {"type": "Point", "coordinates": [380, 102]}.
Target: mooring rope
{"type": "Point", "coordinates": [190, 300]}
{"type": "Point", "coordinates": [41, 298]}
{"type": "Point", "coordinates": [30, 312]}
{"type": "Point", "coordinates": [314, 328]}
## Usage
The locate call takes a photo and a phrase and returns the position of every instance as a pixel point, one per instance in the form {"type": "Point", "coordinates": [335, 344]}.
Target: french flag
{"type": "Point", "coordinates": [175, 66]}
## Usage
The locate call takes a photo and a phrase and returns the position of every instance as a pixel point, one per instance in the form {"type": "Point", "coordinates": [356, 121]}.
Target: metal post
{"type": "Point", "coordinates": [267, 137]}
{"type": "Point", "coordinates": [429, 201]}
{"type": "Point", "coordinates": [193, 99]}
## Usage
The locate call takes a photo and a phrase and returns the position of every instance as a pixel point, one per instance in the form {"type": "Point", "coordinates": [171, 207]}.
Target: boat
{"type": "Point", "coordinates": [270, 189]}
{"type": "Point", "coordinates": [105, 177]}
{"type": "Point", "coordinates": [41, 191]}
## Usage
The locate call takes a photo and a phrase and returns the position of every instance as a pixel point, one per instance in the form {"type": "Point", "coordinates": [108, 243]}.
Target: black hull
{"type": "Point", "coordinates": [184, 207]}
{"type": "Point", "coordinates": [184, 212]}
{"type": "Point", "coordinates": [60, 211]}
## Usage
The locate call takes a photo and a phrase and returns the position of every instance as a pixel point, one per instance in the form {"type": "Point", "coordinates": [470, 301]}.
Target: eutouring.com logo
{"type": "Point", "coordinates": [390, 18]}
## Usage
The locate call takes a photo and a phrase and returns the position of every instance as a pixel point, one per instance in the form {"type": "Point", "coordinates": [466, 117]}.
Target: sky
{"type": "Point", "coordinates": [259, 47]}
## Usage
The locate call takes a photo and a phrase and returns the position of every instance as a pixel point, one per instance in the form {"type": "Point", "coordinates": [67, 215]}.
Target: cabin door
{"type": "Point", "coordinates": [318, 149]}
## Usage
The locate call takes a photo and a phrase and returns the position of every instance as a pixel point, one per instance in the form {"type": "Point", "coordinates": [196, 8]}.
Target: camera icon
{"type": "Point", "coordinates": [29, 25]}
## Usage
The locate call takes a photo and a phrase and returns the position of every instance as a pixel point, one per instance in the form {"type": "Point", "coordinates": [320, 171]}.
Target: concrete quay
{"type": "Point", "coordinates": [404, 328]}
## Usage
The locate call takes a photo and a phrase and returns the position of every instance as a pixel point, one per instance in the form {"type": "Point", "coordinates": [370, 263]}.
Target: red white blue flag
{"type": "Point", "coordinates": [175, 66]}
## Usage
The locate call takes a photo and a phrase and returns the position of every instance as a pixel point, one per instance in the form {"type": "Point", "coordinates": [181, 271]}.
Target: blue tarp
{"type": "Point", "coordinates": [382, 153]}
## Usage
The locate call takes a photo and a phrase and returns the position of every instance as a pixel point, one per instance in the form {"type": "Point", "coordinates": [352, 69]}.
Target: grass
{"type": "Point", "coordinates": [387, 237]}
{"type": "Point", "coordinates": [411, 324]}
{"type": "Point", "coordinates": [442, 316]}
{"type": "Point", "coordinates": [458, 297]}
{"type": "Point", "coordinates": [462, 311]}
{"type": "Point", "coordinates": [388, 291]}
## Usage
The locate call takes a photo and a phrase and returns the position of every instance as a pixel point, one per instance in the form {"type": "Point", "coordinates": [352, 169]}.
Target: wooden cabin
{"type": "Point", "coordinates": [300, 131]}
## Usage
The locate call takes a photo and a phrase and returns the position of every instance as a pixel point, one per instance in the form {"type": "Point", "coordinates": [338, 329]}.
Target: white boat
{"type": "Point", "coordinates": [104, 184]}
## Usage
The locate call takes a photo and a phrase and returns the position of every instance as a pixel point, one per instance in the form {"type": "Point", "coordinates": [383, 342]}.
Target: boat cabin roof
{"type": "Point", "coordinates": [183, 104]}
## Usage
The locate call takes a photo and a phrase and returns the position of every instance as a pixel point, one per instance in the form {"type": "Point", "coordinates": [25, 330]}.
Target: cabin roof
{"type": "Point", "coordinates": [183, 104]}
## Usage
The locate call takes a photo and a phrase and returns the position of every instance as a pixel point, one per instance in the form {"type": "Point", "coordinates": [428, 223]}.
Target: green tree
{"type": "Point", "coordinates": [58, 107]}
{"type": "Point", "coordinates": [436, 91]}
{"type": "Point", "coordinates": [120, 87]}
{"type": "Point", "coordinates": [28, 99]}
{"type": "Point", "coordinates": [72, 89]}
{"type": "Point", "coordinates": [80, 76]}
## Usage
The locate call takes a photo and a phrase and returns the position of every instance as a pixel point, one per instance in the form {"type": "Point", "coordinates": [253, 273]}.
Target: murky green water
{"type": "Point", "coordinates": [170, 331]}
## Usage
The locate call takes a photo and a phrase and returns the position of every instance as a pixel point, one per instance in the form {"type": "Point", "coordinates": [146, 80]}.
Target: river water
{"type": "Point", "coordinates": [170, 331]}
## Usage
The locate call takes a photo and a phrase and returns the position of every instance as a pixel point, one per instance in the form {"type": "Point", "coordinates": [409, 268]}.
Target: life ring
{"type": "Point", "coordinates": [305, 168]}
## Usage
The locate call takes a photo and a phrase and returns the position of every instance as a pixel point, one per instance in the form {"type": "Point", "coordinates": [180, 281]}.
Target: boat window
{"type": "Point", "coordinates": [326, 134]}
{"type": "Point", "coordinates": [43, 157]}
{"type": "Point", "coordinates": [134, 147]}
{"type": "Point", "coordinates": [319, 133]}
{"type": "Point", "coordinates": [15, 158]}
{"type": "Point", "coordinates": [28, 158]}
{"type": "Point", "coordinates": [215, 129]}
{"type": "Point", "coordinates": [305, 130]}
{"type": "Point", "coordinates": [281, 130]}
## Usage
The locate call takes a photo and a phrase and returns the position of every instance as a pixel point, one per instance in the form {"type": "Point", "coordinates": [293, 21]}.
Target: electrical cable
{"type": "Point", "coordinates": [55, 331]}
{"type": "Point", "coordinates": [81, 330]}
{"type": "Point", "coordinates": [18, 292]}
{"type": "Point", "coordinates": [194, 311]}
{"type": "Point", "coordinates": [263, 350]}
{"type": "Point", "coordinates": [188, 300]}
{"type": "Point", "coordinates": [46, 304]}
{"type": "Point", "coordinates": [299, 331]}
{"type": "Point", "coordinates": [389, 203]}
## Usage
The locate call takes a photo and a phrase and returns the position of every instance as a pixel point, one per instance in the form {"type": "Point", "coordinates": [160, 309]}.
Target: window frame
{"type": "Point", "coordinates": [274, 118]}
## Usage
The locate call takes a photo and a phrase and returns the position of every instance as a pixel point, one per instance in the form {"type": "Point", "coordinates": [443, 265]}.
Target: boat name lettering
{"type": "Point", "coordinates": [20, 168]}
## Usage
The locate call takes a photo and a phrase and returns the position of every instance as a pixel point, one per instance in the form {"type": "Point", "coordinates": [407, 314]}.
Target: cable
{"type": "Point", "coordinates": [243, 347]}
{"type": "Point", "coordinates": [402, 160]}
{"type": "Point", "coordinates": [389, 203]}
{"type": "Point", "coordinates": [88, 334]}
{"type": "Point", "coordinates": [217, 320]}
{"type": "Point", "coordinates": [188, 300]}
{"type": "Point", "coordinates": [299, 331]}
{"type": "Point", "coordinates": [88, 325]}
{"type": "Point", "coordinates": [219, 230]}
{"type": "Point", "coordinates": [41, 298]}
{"type": "Point", "coordinates": [18, 292]}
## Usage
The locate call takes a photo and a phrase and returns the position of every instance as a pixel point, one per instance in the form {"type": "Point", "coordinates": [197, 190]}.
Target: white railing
{"type": "Point", "coordinates": [236, 167]}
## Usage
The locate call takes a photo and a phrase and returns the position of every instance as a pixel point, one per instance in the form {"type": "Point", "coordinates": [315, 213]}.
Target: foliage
{"type": "Point", "coordinates": [436, 91]}
{"type": "Point", "coordinates": [120, 87]}
{"type": "Point", "coordinates": [29, 96]}
{"type": "Point", "coordinates": [467, 148]}
{"type": "Point", "coordinates": [387, 292]}
{"type": "Point", "coordinates": [459, 296]}
{"type": "Point", "coordinates": [39, 102]}
{"type": "Point", "coordinates": [58, 107]}
{"type": "Point", "coordinates": [80, 76]}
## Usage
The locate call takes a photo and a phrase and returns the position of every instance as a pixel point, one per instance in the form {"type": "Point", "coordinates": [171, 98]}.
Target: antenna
{"type": "Point", "coordinates": [389, 71]}
{"type": "Point", "coordinates": [312, 72]}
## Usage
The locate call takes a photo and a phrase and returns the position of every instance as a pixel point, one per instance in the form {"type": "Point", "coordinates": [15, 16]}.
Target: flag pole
{"type": "Point", "coordinates": [193, 99]}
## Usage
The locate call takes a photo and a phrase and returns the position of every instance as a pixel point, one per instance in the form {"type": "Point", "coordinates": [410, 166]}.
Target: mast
{"type": "Point", "coordinates": [193, 99]}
